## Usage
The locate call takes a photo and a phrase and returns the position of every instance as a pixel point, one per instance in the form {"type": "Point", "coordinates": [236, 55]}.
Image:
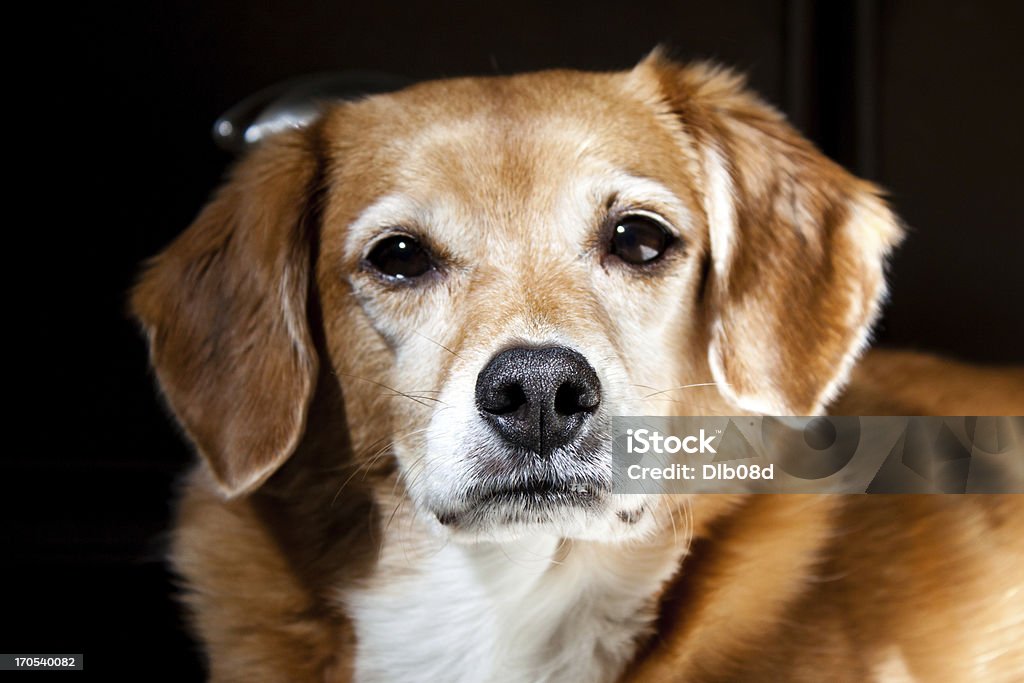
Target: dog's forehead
{"type": "Point", "coordinates": [506, 154]}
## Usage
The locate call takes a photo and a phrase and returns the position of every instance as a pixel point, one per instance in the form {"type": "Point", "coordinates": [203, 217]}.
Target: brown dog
{"type": "Point", "coordinates": [396, 338]}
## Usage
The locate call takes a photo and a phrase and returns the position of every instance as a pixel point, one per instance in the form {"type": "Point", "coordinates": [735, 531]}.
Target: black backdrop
{"type": "Point", "coordinates": [925, 98]}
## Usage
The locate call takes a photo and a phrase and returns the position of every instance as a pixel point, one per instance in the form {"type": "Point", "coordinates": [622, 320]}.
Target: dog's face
{"type": "Point", "coordinates": [492, 268]}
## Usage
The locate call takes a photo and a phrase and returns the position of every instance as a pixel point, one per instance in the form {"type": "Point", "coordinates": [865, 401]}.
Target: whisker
{"type": "Point", "coordinates": [414, 397]}
{"type": "Point", "coordinates": [384, 386]}
{"type": "Point", "coordinates": [373, 459]}
{"type": "Point", "coordinates": [686, 386]}
{"type": "Point", "coordinates": [433, 341]}
{"type": "Point", "coordinates": [406, 495]}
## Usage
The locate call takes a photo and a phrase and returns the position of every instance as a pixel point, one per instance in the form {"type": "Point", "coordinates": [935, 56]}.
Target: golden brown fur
{"type": "Point", "coordinates": [278, 358]}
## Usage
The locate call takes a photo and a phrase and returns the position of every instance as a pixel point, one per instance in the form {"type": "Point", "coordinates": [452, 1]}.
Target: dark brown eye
{"type": "Point", "coordinates": [400, 257]}
{"type": "Point", "coordinates": [638, 240]}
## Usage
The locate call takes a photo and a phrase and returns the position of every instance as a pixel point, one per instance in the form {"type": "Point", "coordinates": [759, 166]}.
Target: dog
{"type": "Point", "coordinates": [396, 337]}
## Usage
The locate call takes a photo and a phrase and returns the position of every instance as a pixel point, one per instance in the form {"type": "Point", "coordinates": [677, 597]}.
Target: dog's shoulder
{"type": "Point", "coordinates": [848, 588]}
{"type": "Point", "coordinates": [907, 383]}
{"type": "Point", "coordinates": [259, 614]}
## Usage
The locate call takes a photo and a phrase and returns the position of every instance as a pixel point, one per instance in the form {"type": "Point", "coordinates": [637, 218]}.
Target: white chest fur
{"type": "Point", "coordinates": [530, 611]}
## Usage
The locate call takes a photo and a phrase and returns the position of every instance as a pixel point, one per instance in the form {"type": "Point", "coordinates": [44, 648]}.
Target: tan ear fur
{"type": "Point", "coordinates": [224, 310]}
{"type": "Point", "coordinates": [798, 247]}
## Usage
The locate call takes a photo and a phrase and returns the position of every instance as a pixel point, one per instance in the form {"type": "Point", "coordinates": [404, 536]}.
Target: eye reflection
{"type": "Point", "coordinates": [400, 257]}
{"type": "Point", "coordinates": [639, 240]}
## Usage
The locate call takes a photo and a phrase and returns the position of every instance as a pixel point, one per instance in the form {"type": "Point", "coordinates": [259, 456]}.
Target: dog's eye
{"type": "Point", "coordinates": [639, 240]}
{"type": "Point", "coordinates": [400, 257]}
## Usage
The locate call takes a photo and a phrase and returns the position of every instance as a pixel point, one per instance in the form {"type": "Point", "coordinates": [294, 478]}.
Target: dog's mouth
{"type": "Point", "coordinates": [543, 493]}
{"type": "Point", "coordinates": [538, 501]}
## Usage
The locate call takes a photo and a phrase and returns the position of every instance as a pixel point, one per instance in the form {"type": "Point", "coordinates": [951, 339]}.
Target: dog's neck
{"type": "Point", "coordinates": [538, 609]}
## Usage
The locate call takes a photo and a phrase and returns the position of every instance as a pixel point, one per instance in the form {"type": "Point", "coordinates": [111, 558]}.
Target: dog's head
{"type": "Point", "coordinates": [491, 268]}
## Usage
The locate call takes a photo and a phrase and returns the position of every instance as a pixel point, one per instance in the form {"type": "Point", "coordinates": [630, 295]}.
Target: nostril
{"type": "Point", "coordinates": [571, 398]}
{"type": "Point", "coordinates": [505, 400]}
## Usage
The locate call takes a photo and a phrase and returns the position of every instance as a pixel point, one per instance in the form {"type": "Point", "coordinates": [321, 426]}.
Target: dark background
{"type": "Point", "coordinates": [924, 97]}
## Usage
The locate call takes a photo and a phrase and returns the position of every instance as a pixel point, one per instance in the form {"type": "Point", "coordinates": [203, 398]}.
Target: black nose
{"type": "Point", "coordinates": [538, 398]}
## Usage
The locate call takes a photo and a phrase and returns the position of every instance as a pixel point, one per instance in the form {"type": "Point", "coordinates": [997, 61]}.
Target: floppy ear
{"type": "Point", "coordinates": [224, 310]}
{"type": "Point", "coordinates": [797, 247]}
